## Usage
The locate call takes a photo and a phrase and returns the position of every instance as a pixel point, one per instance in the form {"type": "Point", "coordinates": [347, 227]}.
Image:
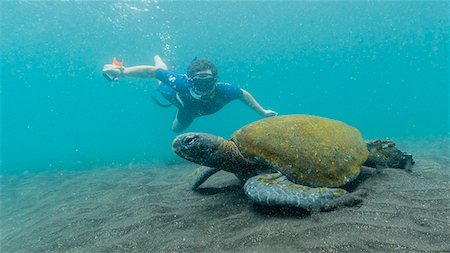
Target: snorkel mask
{"type": "Point", "coordinates": [202, 84]}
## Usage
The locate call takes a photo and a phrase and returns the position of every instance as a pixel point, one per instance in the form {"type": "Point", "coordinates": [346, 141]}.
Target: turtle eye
{"type": "Point", "coordinates": [190, 140]}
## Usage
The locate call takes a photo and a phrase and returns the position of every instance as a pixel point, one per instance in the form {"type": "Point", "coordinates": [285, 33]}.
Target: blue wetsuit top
{"type": "Point", "coordinates": [177, 89]}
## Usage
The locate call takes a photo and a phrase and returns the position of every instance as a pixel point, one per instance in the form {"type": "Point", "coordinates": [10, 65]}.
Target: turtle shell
{"type": "Point", "coordinates": [308, 150]}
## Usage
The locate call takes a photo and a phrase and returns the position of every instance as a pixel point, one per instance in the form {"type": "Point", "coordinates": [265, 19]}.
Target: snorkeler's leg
{"type": "Point", "coordinates": [182, 121]}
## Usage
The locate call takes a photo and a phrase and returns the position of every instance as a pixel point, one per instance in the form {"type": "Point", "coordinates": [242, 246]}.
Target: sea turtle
{"type": "Point", "coordinates": [297, 160]}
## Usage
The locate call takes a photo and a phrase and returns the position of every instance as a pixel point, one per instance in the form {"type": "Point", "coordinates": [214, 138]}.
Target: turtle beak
{"type": "Point", "coordinates": [196, 147]}
{"type": "Point", "coordinates": [183, 144]}
{"type": "Point", "coordinates": [176, 144]}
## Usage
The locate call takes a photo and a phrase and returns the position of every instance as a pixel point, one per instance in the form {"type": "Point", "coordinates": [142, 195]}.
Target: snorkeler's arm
{"type": "Point", "coordinates": [142, 71]}
{"type": "Point", "coordinates": [249, 100]}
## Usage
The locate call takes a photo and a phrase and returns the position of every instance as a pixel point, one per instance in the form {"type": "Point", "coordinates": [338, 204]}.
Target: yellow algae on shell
{"type": "Point", "coordinates": [307, 149]}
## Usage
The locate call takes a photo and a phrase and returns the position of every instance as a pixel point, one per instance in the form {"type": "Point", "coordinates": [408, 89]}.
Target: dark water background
{"type": "Point", "coordinates": [380, 66]}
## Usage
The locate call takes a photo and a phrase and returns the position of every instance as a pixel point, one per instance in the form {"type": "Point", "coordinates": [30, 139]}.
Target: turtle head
{"type": "Point", "coordinates": [200, 148]}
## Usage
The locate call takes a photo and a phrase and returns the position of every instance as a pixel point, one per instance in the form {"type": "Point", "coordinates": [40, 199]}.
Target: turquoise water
{"type": "Point", "coordinates": [380, 66]}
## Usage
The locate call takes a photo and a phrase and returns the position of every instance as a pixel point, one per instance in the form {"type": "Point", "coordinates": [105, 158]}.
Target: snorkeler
{"type": "Point", "coordinates": [195, 94]}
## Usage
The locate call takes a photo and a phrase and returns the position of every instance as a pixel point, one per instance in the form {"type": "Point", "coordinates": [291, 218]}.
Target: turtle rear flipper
{"type": "Point", "coordinates": [351, 199]}
{"type": "Point", "coordinates": [201, 174]}
{"type": "Point", "coordinates": [276, 189]}
{"type": "Point", "coordinates": [384, 154]}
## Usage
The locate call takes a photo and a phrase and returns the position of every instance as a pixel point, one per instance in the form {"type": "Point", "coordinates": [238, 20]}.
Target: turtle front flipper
{"type": "Point", "coordinates": [275, 189]}
{"type": "Point", "coordinates": [201, 174]}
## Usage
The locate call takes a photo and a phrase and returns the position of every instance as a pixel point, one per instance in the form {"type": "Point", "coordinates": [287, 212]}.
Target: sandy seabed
{"type": "Point", "coordinates": [152, 209]}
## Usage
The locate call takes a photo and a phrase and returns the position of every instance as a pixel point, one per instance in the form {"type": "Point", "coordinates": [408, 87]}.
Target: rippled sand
{"type": "Point", "coordinates": [152, 209]}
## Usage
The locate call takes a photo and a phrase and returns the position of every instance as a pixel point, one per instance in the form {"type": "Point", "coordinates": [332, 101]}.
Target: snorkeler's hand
{"type": "Point", "coordinates": [112, 72]}
{"type": "Point", "coordinates": [270, 113]}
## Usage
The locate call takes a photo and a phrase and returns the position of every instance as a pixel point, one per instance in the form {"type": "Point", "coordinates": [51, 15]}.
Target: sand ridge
{"type": "Point", "coordinates": [152, 209]}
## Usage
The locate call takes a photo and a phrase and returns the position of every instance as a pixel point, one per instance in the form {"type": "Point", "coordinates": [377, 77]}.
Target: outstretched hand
{"type": "Point", "coordinates": [270, 113]}
{"type": "Point", "coordinates": [112, 72]}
